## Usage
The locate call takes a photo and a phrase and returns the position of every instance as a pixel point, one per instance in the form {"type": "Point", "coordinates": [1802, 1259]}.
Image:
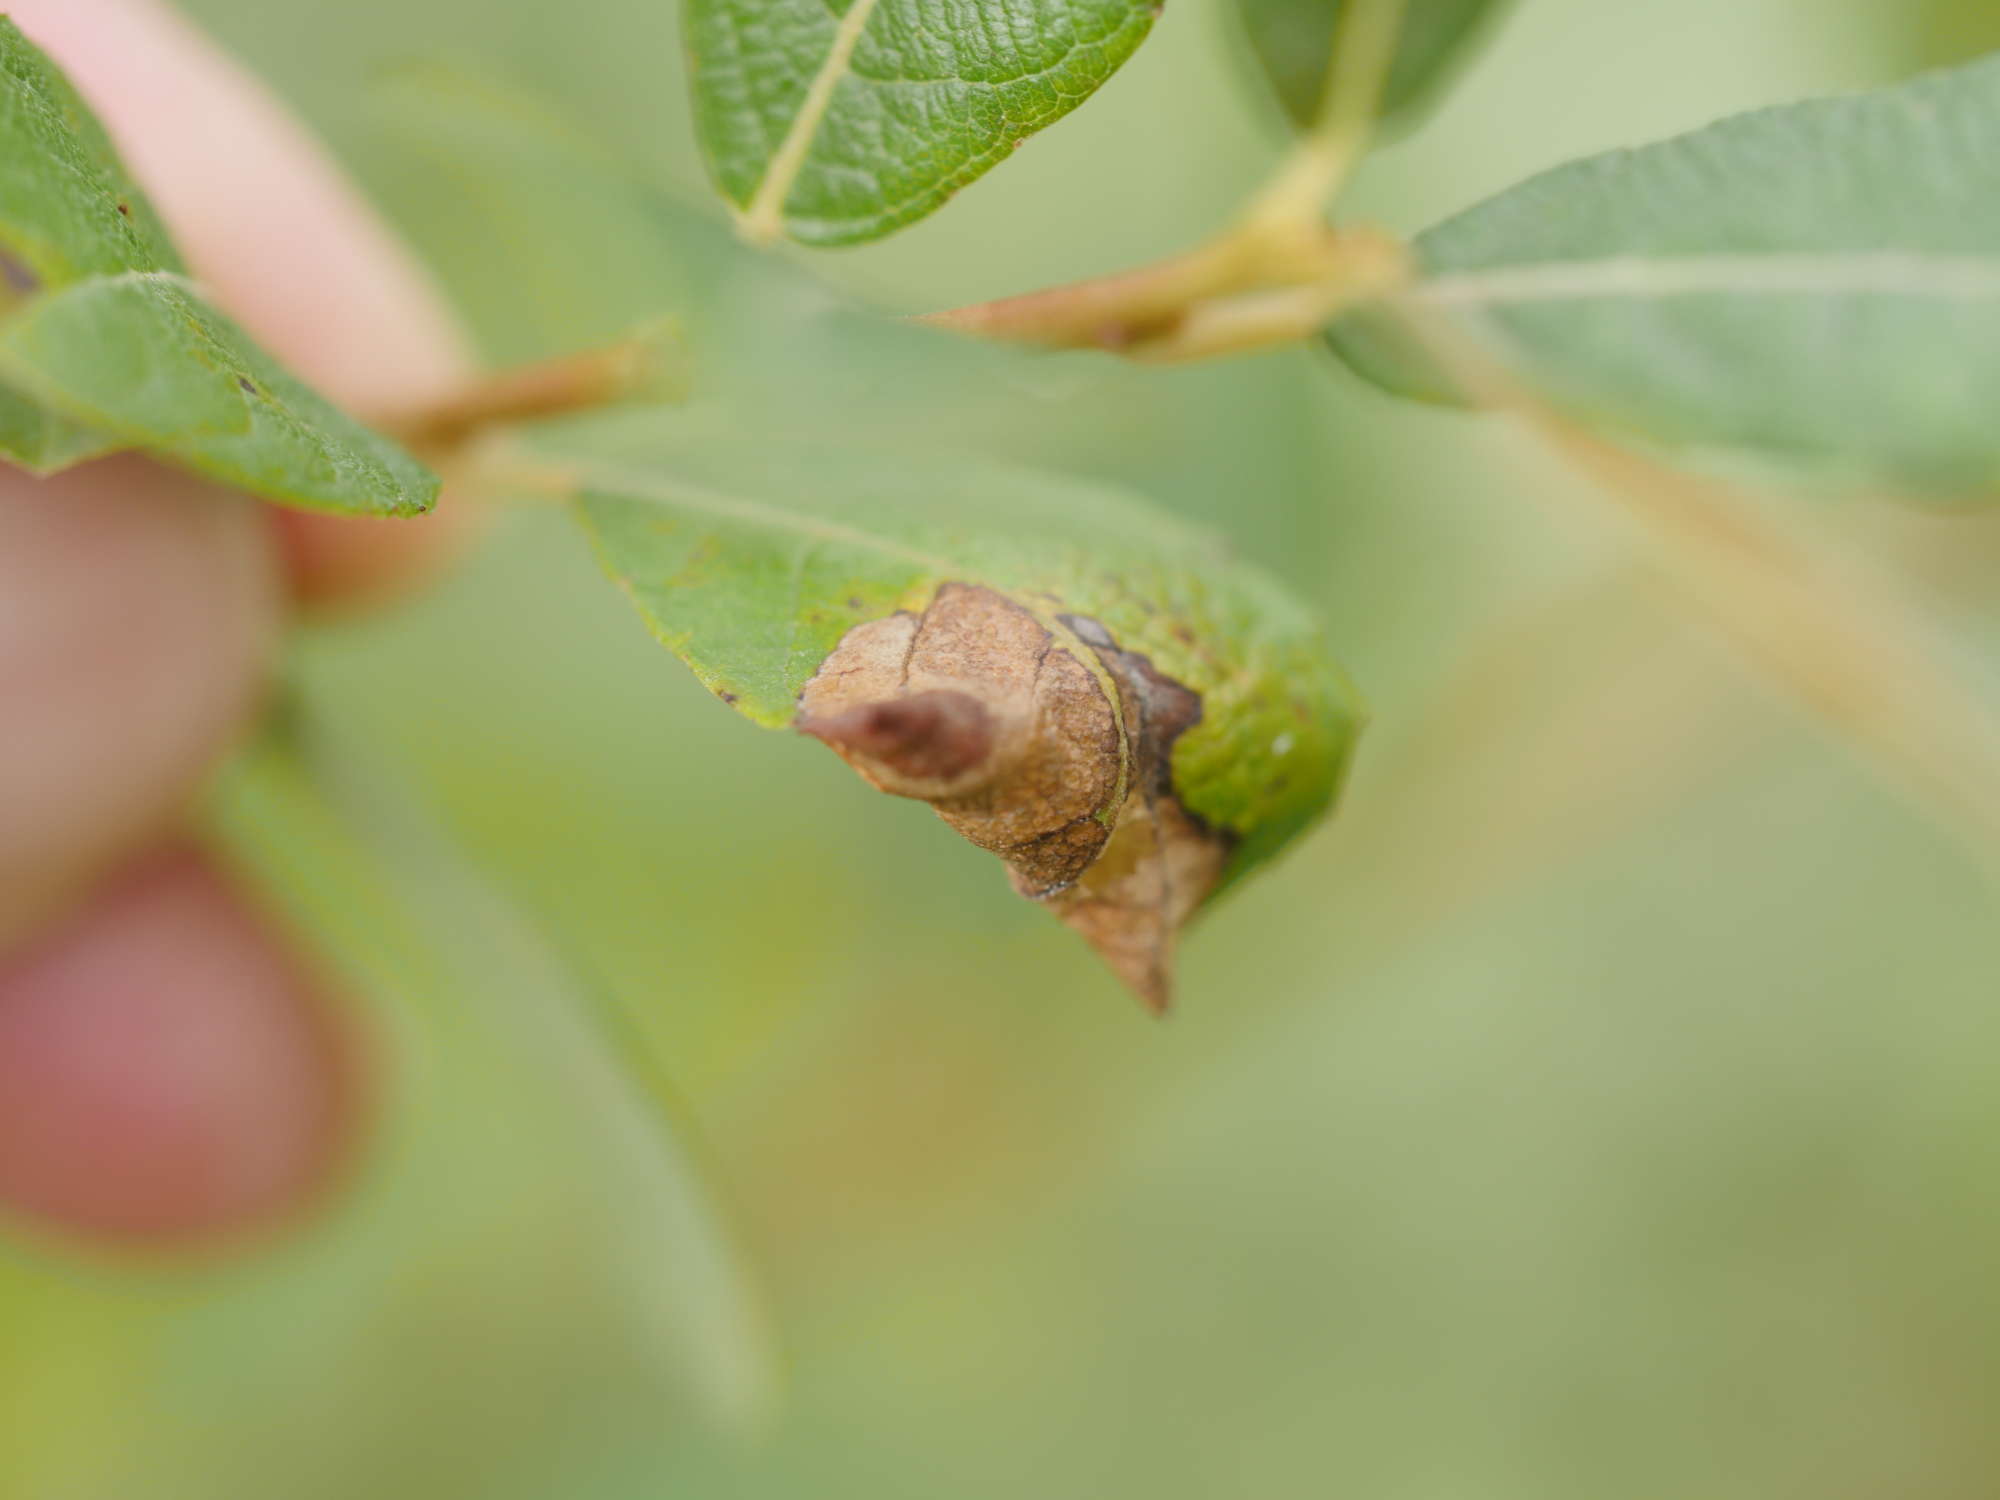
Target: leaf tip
{"type": "Point", "coordinates": [921, 742]}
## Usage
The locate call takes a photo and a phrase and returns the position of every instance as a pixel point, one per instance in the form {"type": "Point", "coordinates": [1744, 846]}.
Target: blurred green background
{"type": "Point", "coordinates": [1607, 1105]}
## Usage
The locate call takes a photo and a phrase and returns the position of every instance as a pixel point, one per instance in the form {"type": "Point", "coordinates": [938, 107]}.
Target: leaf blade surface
{"type": "Point", "coordinates": [835, 124]}
{"type": "Point", "coordinates": [1817, 286]}
{"type": "Point", "coordinates": [105, 343]}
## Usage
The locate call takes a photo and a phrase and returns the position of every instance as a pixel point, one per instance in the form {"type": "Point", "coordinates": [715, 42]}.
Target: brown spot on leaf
{"type": "Point", "coordinates": [125, 209]}
{"type": "Point", "coordinates": [1009, 730]}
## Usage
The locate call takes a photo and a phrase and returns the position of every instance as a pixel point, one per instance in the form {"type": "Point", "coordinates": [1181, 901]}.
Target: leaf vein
{"type": "Point", "coordinates": [615, 483]}
{"type": "Point", "coordinates": [764, 217]}
{"type": "Point", "coordinates": [1882, 273]}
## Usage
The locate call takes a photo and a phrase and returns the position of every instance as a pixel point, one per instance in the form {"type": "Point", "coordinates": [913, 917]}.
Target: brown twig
{"type": "Point", "coordinates": [1106, 312]}
{"type": "Point", "coordinates": [1253, 284]}
{"type": "Point", "coordinates": [637, 367]}
{"type": "Point", "coordinates": [1264, 287]}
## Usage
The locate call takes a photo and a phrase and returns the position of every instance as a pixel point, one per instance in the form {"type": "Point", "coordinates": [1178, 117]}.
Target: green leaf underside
{"type": "Point", "coordinates": [502, 1058]}
{"type": "Point", "coordinates": [751, 559]}
{"type": "Point", "coordinates": [867, 116]}
{"type": "Point", "coordinates": [145, 358]}
{"type": "Point", "coordinates": [1816, 285]}
{"type": "Point", "coordinates": [42, 442]}
{"type": "Point", "coordinates": [105, 343]}
{"type": "Point", "coordinates": [765, 335]}
{"type": "Point", "coordinates": [1293, 42]}
{"type": "Point", "coordinates": [69, 209]}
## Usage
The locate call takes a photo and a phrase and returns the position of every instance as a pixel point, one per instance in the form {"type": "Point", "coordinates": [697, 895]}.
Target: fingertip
{"type": "Point", "coordinates": [167, 1076]}
{"type": "Point", "coordinates": [139, 615]}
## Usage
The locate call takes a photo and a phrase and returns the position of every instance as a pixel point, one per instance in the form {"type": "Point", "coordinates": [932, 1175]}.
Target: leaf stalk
{"type": "Point", "coordinates": [1357, 79]}
{"type": "Point", "coordinates": [1273, 277]}
{"type": "Point", "coordinates": [645, 366]}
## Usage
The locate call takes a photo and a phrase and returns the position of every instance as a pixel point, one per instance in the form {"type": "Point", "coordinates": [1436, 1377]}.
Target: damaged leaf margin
{"type": "Point", "coordinates": [1096, 693]}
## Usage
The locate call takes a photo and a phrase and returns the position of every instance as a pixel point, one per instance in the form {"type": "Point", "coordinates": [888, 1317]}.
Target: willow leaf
{"type": "Point", "coordinates": [41, 442]}
{"type": "Point", "coordinates": [105, 343]}
{"type": "Point", "coordinates": [508, 1112]}
{"type": "Point", "coordinates": [840, 122]}
{"type": "Point", "coordinates": [1096, 693]}
{"type": "Point", "coordinates": [1817, 286]}
{"type": "Point", "coordinates": [1293, 43]}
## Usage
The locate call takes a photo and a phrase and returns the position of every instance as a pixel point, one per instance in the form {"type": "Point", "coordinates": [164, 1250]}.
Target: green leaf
{"type": "Point", "coordinates": [1951, 31]}
{"type": "Point", "coordinates": [145, 358]}
{"type": "Point", "coordinates": [760, 563]}
{"type": "Point", "coordinates": [835, 123]}
{"type": "Point", "coordinates": [582, 1150]}
{"type": "Point", "coordinates": [105, 343]}
{"type": "Point", "coordinates": [549, 232]}
{"type": "Point", "coordinates": [1293, 42]}
{"type": "Point", "coordinates": [69, 209]}
{"type": "Point", "coordinates": [1816, 286]}
{"type": "Point", "coordinates": [42, 442]}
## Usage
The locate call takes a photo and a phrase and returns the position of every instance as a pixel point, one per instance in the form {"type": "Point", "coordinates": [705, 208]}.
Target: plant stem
{"type": "Point", "coordinates": [1357, 77]}
{"type": "Point", "coordinates": [1107, 312]}
{"type": "Point", "coordinates": [1148, 313]}
{"type": "Point", "coordinates": [566, 386]}
{"type": "Point", "coordinates": [1280, 243]}
{"type": "Point", "coordinates": [1366, 266]}
{"type": "Point", "coordinates": [1844, 645]}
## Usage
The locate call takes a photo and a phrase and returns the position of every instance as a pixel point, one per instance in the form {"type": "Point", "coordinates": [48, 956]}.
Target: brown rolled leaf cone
{"type": "Point", "coordinates": [934, 738]}
{"type": "Point", "coordinates": [1010, 732]}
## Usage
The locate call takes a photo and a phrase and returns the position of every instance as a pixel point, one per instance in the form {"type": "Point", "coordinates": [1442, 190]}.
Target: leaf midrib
{"type": "Point", "coordinates": [615, 483]}
{"type": "Point", "coordinates": [1779, 274]}
{"type": "Point", "coordinates": [97, 282]}
{"type": "Point", "coordinates": [763, 219]}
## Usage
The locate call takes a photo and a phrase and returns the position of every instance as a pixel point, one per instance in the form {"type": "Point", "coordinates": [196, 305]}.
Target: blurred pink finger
{"type": "Point", "coordinates": [164, 1073]}
{"type": "Point", "coordinates": [138, 615]}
